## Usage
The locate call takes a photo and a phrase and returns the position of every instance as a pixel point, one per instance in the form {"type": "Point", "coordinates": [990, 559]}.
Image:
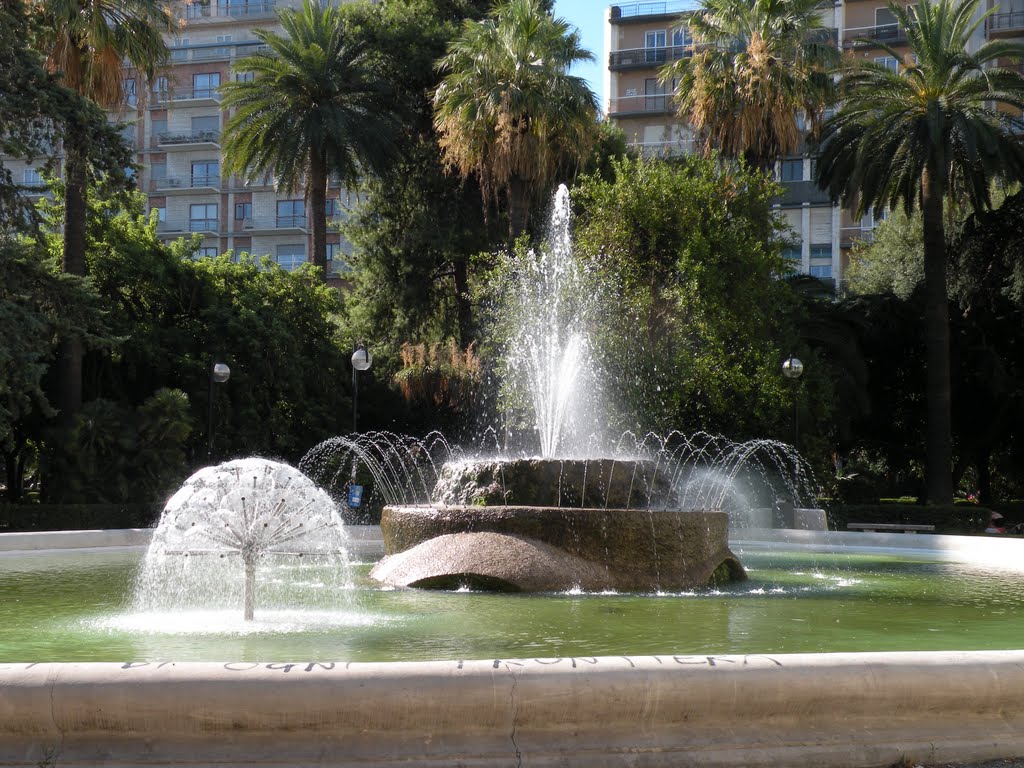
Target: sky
{"type": "Point", "coordinates": [588, 16]}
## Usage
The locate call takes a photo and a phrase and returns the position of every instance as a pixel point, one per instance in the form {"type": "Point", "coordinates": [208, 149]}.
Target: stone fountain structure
{"type": "Point", "coordinates": [555, 522]}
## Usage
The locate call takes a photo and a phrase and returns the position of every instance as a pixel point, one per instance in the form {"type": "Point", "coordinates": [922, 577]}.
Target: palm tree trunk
{"type": "Point", "coordinates": [69, 354]}
{"type": "Point", "coordinates": [464, 310]}
{"type": "Point", "coordinates": [939, 448]}
{"type": "Point", "coordinates": [318, 210]}
{"type": "Point", "coordinates": [518, 208]}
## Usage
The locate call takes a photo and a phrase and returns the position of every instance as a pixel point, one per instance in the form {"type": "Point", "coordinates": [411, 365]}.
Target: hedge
{"type": "Point", "coordinates": [76, 517]}
{"type": "Point", "coordinates": [956, 518]}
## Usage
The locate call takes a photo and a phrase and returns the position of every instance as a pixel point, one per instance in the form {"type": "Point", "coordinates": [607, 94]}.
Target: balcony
{"type": "Point", "coordinates": [644, 10]}
{"type": "Point", "coordinates": [798, 192]}
{"type": "Point", "coordinates": [228, 11]}
{"type": "Point", "coordinates": [216, 51]}
{"type": "Point", "coordinates": [664, 148]}
{"type": "Point", "coordinates": [849, 236]}
{"type": "Point", "coordinates": [654, 104]}
{"type": "Point", "coordinates": [1005, 24]}
{"type": "Point", "coordinates": [185, 183]}
{"type": "Point", "coordinates": [642, 58]}
{"type": "Point", "coordinates": [869, 37]}
{"type": "Point", "coordinates": [203, 225]}
{"type": "Point", "coordinates": [272, 224]}
{"type": "Point", "coordinates": [188, 139]}
{"type": "Point", "coordinates": [185, 97]}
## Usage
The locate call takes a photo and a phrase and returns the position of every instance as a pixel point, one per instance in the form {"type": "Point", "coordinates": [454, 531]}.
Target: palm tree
{"type": "Point", "coordinates": [314, 108]}
{"type": "Point", "coordinates": [87, 42]}
{"type": "Point", "coordinates": [936, 128]}
{"type": "Point", "coordinates": [757, 68]}
{"type": "Point", "coordinates": [508, 110]}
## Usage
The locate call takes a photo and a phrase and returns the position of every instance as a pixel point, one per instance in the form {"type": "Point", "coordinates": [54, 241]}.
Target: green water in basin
{"type": "Point", "coordinates": [77, 607]}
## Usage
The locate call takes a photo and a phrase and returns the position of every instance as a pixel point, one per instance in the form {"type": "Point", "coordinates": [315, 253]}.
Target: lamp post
{"type": "Point", "coordinates": [793, 369]}
{"type": "Point", "coordinates": [361, 361]}
{"type": "Point", "coordinates": [219, 373]}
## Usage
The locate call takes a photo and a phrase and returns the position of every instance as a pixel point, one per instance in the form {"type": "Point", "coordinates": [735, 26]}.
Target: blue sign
{"type": "Point", "coordinates": [355, 496]}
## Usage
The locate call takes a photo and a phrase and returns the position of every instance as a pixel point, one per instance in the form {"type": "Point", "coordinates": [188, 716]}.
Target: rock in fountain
{"type": "Point", "coordinates": [244, 513]}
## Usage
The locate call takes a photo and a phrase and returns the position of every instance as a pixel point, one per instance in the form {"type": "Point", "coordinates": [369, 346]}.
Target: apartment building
{"type": "Point", "coordinates": [175, 125]}
{"type": "Point", "coordinates": [640, 37]}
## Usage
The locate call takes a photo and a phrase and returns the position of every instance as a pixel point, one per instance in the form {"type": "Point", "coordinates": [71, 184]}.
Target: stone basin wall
{"type": "Point", "coordinates": [640, 550]}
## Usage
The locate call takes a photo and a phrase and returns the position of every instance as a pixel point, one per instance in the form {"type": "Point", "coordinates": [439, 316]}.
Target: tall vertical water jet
{"type": "Point", "coordinates": [548, 304]}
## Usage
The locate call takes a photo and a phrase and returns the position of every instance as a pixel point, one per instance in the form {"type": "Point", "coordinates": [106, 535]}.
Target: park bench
{"type": "Point", "coordinates": [901, 527]}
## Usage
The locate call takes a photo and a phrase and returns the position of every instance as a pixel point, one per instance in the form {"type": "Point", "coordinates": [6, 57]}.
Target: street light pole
{"type": "Point", "coordinates": [793, 369]}
{"type": "Point", "coordinates": [218, 373]}
{"type": "Point", "coordinates": [361, 361]}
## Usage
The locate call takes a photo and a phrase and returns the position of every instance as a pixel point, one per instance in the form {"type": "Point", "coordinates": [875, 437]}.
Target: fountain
{"type": "Point", "coordinates": [245, 512]}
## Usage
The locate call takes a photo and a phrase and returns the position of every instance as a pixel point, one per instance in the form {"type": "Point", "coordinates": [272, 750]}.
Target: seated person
{"type": "Point", "coordinates": [996, 524]}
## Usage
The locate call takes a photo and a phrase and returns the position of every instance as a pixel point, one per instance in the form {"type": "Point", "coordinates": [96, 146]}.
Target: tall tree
{"type": "Point", "coordinates": [508, 110]}
{"type": "Point", "coordinates": [315, 108]}
{"type": "Point", "coordinates": [758, 67]}
{"type": "Point", "coordinates": [933, 129]}
{"type": "Point", "coordinates": [86, 43]}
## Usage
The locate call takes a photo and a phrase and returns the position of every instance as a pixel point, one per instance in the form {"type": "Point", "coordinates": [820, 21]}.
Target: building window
{"type": "Point", "coordinates": [654, 43]}
{"type": "Point", "coordinates": [179, 49]}
{"type": "Point", "coordinates": [158, 171]}
{"type": "Point", "coordinates": [681, 37]}
{"type": "Point", "coordinates": [206, 252]}
{"type": "Point", "coordinates": [205, 85]}
{"type": "Point", "coordinates": [202, 217]}
{"type": "Point", "coordinates": [791, 170]}
{"type": "Point", "coordinates": [291, 213]}
{"type": "Point", "coordinates": [291, 257]}
{"type": "Point", "coordinates": [821, 252]}
{"type": "Point", "coordinates": [197, 9]}
{"type": "Point", "coordinates": [30, 177]}
{"type": "Point", "coordinates": [161, 88]}
{"type": "Point", "coordinates": [654, 95]}
{"type": "Point", "coordinates": [792, 253]}
{"type": "Point", "coordinates": [244, 77]}
{"type": "Point", "coordinates": [206, 173]}
{"type": "Point", "coordinates": [823, 271]}
{"type": "Point", "coordinates": [332, 207]}
{"type": "Point", "coordinates": [337, 258]}
{"type": "Point", "coordinates": [161, 213]}
{"type": "Point", "coordinates": [131, 97]}
{"type": "Point", "coordinates": [889, 62]}
{"type": "Point", "coordinates": [886, 26]}
{"type": "Point", "coordinates": [243, 211]}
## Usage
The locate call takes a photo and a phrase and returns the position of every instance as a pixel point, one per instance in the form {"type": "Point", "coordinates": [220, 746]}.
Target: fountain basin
{"type": "Point", "coordinates": [554, 549]}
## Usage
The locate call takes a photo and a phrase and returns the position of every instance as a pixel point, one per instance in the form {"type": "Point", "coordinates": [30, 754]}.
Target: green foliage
{"type": "Point", "coordinates": [894, 262]}
{"type": "Point", "coordinates": [117, 453]}
{"type": "Point", "coordinates": [694, 336]}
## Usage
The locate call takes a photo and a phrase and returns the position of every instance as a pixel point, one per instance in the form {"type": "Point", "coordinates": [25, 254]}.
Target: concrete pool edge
{"type": "Point", "coordinates": [826, 710]}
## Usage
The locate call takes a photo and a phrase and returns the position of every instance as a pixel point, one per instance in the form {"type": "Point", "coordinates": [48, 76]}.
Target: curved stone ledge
{"type": "Point", "coordinates": [823, 710]}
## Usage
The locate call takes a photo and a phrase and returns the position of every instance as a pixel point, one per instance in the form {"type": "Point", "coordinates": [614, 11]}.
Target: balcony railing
{"type": "Point", "coordinates": [197, 181]}
{"type": "Point", "coordinates": [164, 97]}
{"type": "Point", "coordinates": [216, 51]}
{"type": "Point", "coordinates": [654, 8]}
{"type": "Point", "coordinates": [865, 37]}
{"type": "Point", "coordinates": [654, 103]}
{"type": "Point", "coordinates": [203, 225]}
{"type": "Point", "coordinates": [291, 222]}
{"type": "Point", "coordinates": [271, 223]}
{"type": "Point", "coordinates": [1005, 22]}
{"type": "Point", "coordinates": [804, 191]}
{"type": "Point", "coordinates": [172, 138]}
{"type": "Point", "coordinates": [230, 10]}
{"type": "Point", "coordinates": [850, 235]}
{"type": "Point", "coordinates": [664, 148]}
{"type": "Point", "coordinates": [647, 57]}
